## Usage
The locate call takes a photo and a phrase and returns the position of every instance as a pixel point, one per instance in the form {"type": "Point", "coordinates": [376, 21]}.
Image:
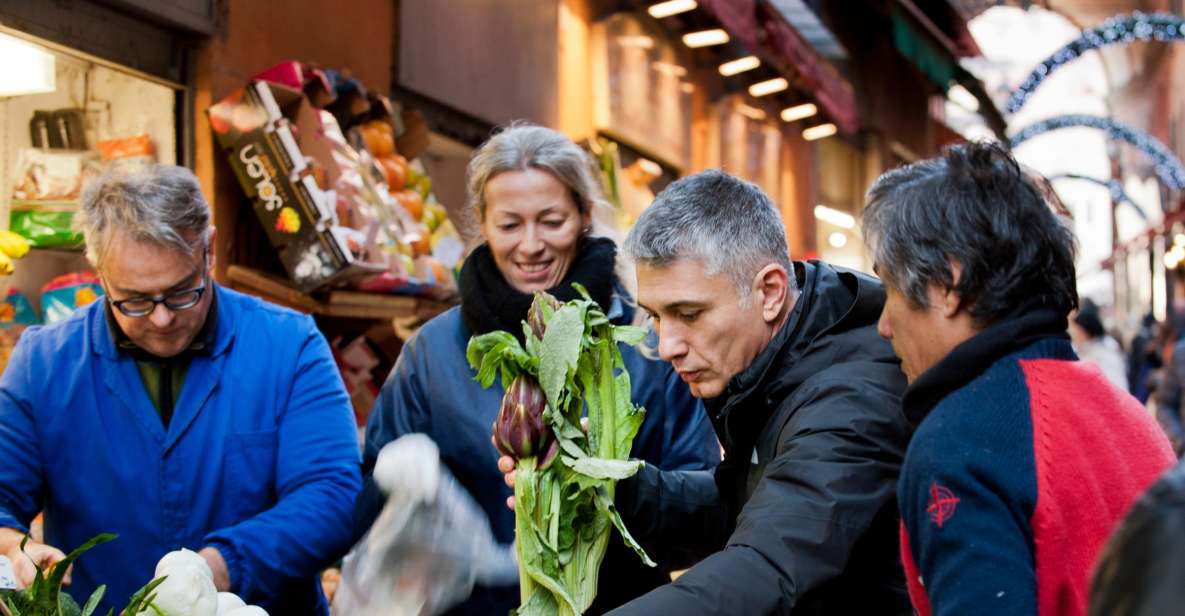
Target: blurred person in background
{"type": "Point", "coordinates": [1169, 391]}
{"type": "Point", "coordinates": [1023, 459]}
{"type": "Point", "coordinates": [1093, 345]}
{"type": "Point", "coordinates": [540, 209]}
{"type": "Point", "coordinates": [1143, 359]}
{"type": "Point", "coordinates": [1143, 564]}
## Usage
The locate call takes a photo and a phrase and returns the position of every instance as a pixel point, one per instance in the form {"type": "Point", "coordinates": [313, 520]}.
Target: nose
{"type": "Point", "coordinates": [671, 343]}
{"type": "Point", "coordinates": [532, 242]}
{"type": "Point", "coordinates": [161, 316]}
{"type": "Point", "coordinates": [882, 326]}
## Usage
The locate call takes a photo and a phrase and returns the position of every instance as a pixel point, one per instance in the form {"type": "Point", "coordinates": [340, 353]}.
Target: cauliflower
{"type": "Point", "coordinates": [228, 601]}
{"type": "Point", "coordinates": [249, 610]}
{"type": "Point", "coordinates": [179, 558]}
{"type": "Point", "coordinates": [186, 591]}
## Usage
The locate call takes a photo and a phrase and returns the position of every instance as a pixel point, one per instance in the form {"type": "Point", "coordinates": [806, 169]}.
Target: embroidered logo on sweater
{"type": "Point", "coordinates": [942, 504]}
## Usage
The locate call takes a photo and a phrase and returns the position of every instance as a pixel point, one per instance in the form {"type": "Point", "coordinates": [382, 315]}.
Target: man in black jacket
{"type": "Point", "coordinates": [800, 517]}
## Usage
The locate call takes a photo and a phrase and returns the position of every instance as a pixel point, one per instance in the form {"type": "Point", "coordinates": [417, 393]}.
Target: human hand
{"type": "Point", "coordinates": [25, 564]}
{"type": "Point", "coordinates": [506, 467]}
{"type": "Point", "coordinates": [409, 466]}
{"type": "Point", "coordinates": [217, 567]}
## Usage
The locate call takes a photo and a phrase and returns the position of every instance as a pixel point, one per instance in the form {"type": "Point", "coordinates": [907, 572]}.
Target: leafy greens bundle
{"type": "Point", "coordinates": [564, 477]}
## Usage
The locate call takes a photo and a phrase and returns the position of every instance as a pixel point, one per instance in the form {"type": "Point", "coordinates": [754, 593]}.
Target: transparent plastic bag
{"type": "Point", "coordinates": [427, 548]}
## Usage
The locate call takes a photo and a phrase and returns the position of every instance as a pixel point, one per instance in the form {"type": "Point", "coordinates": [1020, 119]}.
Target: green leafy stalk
{"type": "Point", "coordinates": [564, 509]}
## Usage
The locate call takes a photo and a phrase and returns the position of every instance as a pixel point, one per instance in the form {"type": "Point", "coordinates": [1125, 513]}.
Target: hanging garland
{"type": "Point", "coordinates": [1118, 30]}
{"type": "Point", "coordinates": [1168, 168]}
{"type": "Point", "coordinates": [1115, 187]}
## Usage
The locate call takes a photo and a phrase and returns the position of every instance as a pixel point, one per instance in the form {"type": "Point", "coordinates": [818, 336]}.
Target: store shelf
{"type": "Point", "coordinates": [348, 304]}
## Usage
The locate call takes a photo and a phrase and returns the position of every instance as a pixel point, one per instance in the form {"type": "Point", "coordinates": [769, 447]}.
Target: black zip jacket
{"type": "Point", "coordinates": [801, 516]}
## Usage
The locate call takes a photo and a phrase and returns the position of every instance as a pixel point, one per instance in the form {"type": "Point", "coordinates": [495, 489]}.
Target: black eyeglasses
{"type": "Point", "coordinates": [183, 299]}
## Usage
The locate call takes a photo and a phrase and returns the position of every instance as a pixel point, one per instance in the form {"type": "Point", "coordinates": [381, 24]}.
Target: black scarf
{"type": "Point", "coordinates": [489, 303]}
{"type": "Point", "coordinates": [971, 358]}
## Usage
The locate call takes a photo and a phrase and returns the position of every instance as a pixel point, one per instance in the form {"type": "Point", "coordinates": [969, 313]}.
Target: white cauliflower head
{"type": "Point", "coordinates": [250, 610]}
{"type": "Point", "coordinates": [186, 591]}
{"type": "Point", "coordinates": [182, 558]}
{"type": "Point", "coordinates": [228, 601]}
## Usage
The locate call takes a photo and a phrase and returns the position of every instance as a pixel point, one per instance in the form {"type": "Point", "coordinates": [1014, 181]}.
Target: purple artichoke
{"type": "Point", "coordinates": [535, 318]}
{"type": "Point", "coordinates": [520, 430]}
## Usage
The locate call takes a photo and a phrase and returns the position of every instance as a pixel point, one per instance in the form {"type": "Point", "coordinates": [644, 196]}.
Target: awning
{"type": "Point", "coordinates": [788, 53]}
{"type": "Point", "coordinates": [936, 56]}
{"type": "Point", "coordinates": [816, 74]}
{"type": "Point", "coordinates": [739, 17]}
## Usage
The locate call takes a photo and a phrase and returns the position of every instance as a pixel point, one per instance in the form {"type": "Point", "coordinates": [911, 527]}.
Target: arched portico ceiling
{"type": "Point", "coordinates": [1118, 30]}
{"type": "Point", "coordinates": [1168, 167]}
{"type": "Point", "coordinates": [1115, 187]}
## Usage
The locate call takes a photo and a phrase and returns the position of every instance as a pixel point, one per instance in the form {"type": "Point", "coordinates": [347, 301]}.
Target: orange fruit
{"type": "Point", "coordinates": [379, 142]}
{"type": "Point", "coordinates": [395, 173]}
{"type": "Point", "coordinates": [412, 202]}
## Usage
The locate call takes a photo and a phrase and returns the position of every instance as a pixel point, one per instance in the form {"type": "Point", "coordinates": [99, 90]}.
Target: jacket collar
{"type": "Point", "coordinates": [975, 355]}
{"type": "Point", "coordinates": [216, 334]}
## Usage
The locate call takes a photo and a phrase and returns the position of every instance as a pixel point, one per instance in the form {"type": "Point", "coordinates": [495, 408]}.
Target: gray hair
{"type": "Point", "coordinates": [725, 222]}
{"type": "Point", "coordinates": [520, 146]}
{"type": "Point", "coordinates": [159, 204]}
{"type": "Point", "coordinates": [972, 205]}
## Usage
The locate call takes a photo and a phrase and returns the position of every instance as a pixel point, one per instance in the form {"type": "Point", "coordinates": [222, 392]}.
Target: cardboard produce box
{"type": "Point", "coordinates": [261, 128]}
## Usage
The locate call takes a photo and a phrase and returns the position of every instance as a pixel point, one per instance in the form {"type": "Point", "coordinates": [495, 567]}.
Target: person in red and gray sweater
{"type": "Point", "coordinates": [1024, 458]}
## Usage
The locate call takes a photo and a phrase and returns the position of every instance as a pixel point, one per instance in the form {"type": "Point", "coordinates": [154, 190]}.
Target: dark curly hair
{"type": "Point", "coordinates": [972, 206]}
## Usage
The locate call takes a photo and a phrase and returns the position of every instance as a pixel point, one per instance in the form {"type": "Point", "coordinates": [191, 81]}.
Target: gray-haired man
{"type": "Point", "coordinates": [800, 518]}
{"type": "Point", "coordinates": [177, 414]}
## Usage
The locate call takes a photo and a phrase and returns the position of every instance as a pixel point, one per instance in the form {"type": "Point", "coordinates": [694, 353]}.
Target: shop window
{"type": "Point", "coordinates": [642, 92]}
{"type": "Point", "coordinates": [77, 117]}
{"type": "Point", "coordinates": [750, 144]}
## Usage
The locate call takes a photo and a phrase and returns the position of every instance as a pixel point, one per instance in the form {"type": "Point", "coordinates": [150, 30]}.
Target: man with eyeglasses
{"type": "Point", "coordinates": [178, 414]}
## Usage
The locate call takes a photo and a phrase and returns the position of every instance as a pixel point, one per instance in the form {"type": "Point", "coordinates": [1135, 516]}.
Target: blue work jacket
{"type": "Point", "coordinates": [260, 459]}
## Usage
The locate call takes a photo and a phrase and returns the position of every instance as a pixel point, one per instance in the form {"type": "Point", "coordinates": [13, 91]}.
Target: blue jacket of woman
{"type": "Point", "coordinates": [260, 459]}
{"type": "Point", "coordinates": [431, 390]}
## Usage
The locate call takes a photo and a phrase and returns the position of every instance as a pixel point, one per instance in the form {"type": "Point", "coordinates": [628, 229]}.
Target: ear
{"type": "Point", "coordinates": [948, 300]}
{"type": "Point", "coordinates": [213, 252]}
{"type": "Point", "coordinates": [586, 219]}
{"type": "Point", "coordinates": [771, 286]}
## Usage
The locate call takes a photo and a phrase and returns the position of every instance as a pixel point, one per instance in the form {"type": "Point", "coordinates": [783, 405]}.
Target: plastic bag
{"type": "Point", "coordinates": [45, 226]}
{"type": "Point", "coordinates": [61, 296]}
{"type": "Point", "coordinates": [427, 548]}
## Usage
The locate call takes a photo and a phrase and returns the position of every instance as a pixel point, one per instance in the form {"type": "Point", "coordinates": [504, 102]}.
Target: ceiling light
{"type": "Point", "coordinates": [704, 38]}
{"type": "Point", "coordinates": [740, 65]}
{"type": "Point", "coordinates": [838, 239]}
{"type": "Point", "coordinates": [28, 68]}
{"type": "Point", "coordinates": [640, 40]}
{"type": "Point", "coordinates": [819, 132]}
{"type": "Point", "coordinates": [667, 68]}
{"type": "Point", "coordinates": [799, 112]}
{"type": "Point", "coordinates": [962, 97]}
{"type": "Point", "coordinates": [671, 7]}
{"type": "Point", "coordinates": [769, 86]}
{"type": "Point", "coordinates": [835, 217]}
{"type": "Point", "coordinates": [750, 112]}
